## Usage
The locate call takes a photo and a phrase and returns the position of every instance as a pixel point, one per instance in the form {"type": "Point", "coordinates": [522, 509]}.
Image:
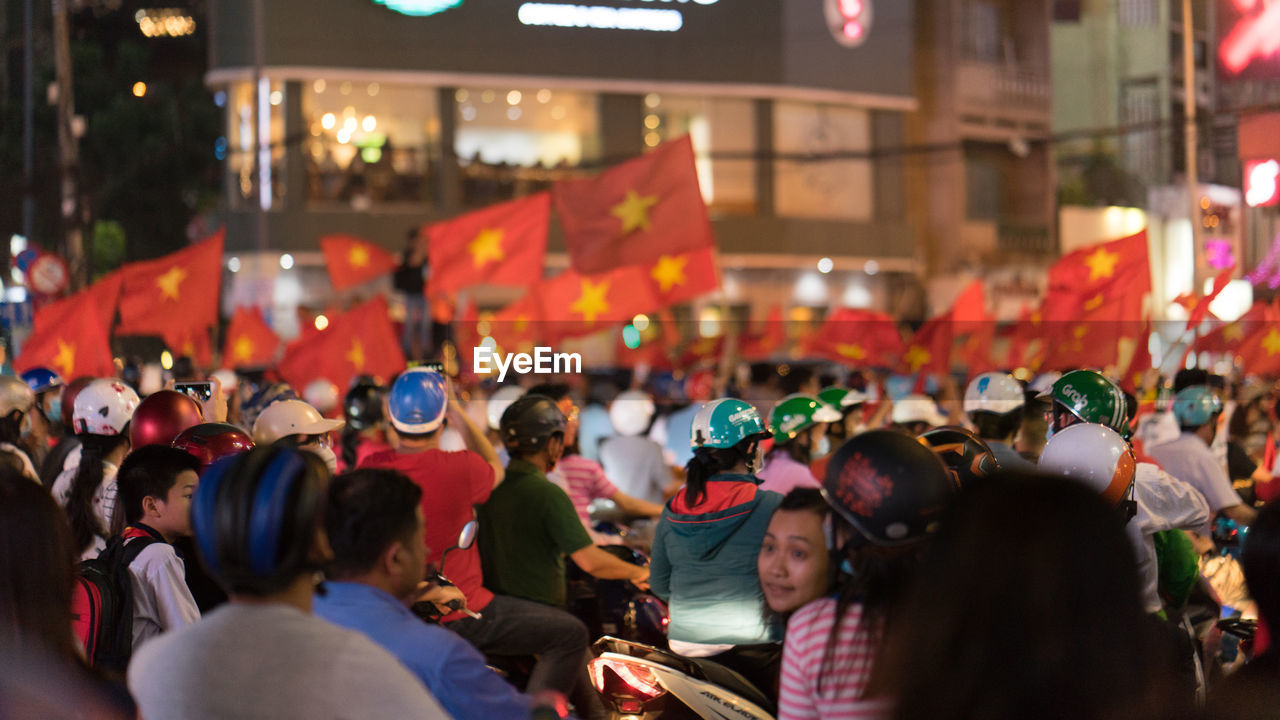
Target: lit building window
{"type": "Point", "coordinates": [241, 145]}
{"type": "Point", "coordinates": [723, 133]}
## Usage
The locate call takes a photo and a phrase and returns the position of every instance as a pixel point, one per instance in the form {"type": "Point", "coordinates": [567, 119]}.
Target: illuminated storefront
{"type": "Point", "coordinates": [375, 116]}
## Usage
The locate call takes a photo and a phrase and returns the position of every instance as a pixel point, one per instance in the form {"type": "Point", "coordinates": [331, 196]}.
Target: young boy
{"type": "Point", "coordinates": [155, 485]}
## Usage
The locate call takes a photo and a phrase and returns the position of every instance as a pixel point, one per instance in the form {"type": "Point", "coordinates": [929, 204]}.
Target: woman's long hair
{"type": "Point", "coordinates": [349, 440]}
{"type": "Point", "coordinates": [84, 521]}
{"type": "Point", "coordinates": [710, 461]}
{"type": "Point", "coordinates": [37, 569]}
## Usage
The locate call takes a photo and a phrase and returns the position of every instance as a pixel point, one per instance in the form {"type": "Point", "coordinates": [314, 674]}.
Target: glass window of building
{"type": "Point", "coordinates": [242, 141]}
{"type": "Point", "coordinates": [514, 141]}
{"type": "Point", "coordinates": [826, 173]}
{"type": "Point", "coordinates": [724, 141]}
{"type": "Point", "coordinates": [370, 143]}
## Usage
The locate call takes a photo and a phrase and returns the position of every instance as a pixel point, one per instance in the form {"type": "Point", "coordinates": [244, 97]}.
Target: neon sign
{"type": "Point", "coordinates": [1255, 36]}
{"type": "Point", "coordinates": [1262, 183]}
{"type": "Point", "coordinates": [603, 17]}
{"type": "Point", "coordinates": [419, 8]}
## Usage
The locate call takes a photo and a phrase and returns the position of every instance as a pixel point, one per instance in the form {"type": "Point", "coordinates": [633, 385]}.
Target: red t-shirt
{"type": "Point", "coordinates": [452, 483]}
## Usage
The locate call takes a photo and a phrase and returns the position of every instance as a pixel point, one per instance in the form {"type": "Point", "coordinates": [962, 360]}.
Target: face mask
{"type": "Point", "coordinates": [822, 448]}
{"type": "Point", "coordinates": [326, 454]}
{"type": "Point", "coordinates": [1048, 433]}
{"type": "Point", "coordinates": [55, 413]}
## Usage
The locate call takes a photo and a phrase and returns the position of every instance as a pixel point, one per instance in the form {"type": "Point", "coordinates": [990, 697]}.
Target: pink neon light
{"type": "Point", "coordinates": [851, 8]}
{"type": "Point", "coordinates": [853, 30]}
{"type": "Point", "coordinates": [1253, 37]}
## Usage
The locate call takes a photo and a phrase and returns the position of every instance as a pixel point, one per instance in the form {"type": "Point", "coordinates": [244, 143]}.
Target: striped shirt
{"type": "Point", "coordinates": [843, 680]}
{"type": "Point", "coordinates": [582, 480]}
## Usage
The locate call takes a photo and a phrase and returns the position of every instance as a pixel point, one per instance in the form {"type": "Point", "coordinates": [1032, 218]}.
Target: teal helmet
{"type": "Point", "coordinates": [796, 413]}
{"type": "Point", "coordinates": [1196, 405]}
{"type": "Point", "coordinates": [726, 422]}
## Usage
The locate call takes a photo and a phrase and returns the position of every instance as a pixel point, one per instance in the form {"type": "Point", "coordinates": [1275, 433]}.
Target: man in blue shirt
{"type": "Point", "coordinates": [375, 525]}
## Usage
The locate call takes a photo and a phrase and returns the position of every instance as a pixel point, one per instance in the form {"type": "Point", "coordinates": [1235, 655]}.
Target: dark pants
{"type": "Point", "coordinates": [513, 626]}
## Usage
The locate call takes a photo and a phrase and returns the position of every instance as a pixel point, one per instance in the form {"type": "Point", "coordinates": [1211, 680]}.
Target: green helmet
{"type": "Point", "coordinates": [726, 422]}
{"type": "Point", "coordinates": [840, 398]}
{"type": "Point", "coordinates": [796, 413]}
{"type": "Point", "coordinates": [1090, 396]}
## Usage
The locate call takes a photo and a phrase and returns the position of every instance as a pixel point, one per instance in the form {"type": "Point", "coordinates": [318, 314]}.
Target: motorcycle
{"type": "Point", "coordinates": [616, 607]}
{"type": "Point", "coordinates": [642, 682]}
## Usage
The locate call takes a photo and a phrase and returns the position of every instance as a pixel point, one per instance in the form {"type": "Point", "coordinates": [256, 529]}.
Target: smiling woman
{"type": "Point", "coordinates": [795, 564]}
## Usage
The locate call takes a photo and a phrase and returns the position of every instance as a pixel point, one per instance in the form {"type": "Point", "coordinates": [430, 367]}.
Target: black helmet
{"type": "Point", "coordinates": [529, 422]}
{"type": "Point", "coordinates": [968, 457]}
{"type": "Point", "coordinates": [254, 518]}
{"type": "Point", "coordinates": [889, 486]}
{"type": "Point", "coordinates": [363, 406]}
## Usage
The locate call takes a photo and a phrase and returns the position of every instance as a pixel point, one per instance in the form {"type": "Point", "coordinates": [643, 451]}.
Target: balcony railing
{"type": "Point", "coordinates": [985, 87]}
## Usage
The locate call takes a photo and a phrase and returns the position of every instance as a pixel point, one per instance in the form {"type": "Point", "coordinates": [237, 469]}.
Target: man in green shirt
{"type": "Point", "coordinates": [529, 525]}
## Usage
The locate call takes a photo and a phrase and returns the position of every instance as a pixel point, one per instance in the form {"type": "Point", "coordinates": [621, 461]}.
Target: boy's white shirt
{"type": "Point", "coordinates": [161, 599]}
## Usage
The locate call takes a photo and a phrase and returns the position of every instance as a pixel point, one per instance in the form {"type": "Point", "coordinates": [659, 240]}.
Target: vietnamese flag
{"type": "Point", "coordinates": [499, 245]}
{"type": "Point", "coordinates": [680, 278]}
{"type": "Point", "coordinates": [1093, 269]}
{"type": "Point", "coordinates": [574, 304]}
{"type": "Point", "coordinates": [191, 343]}
{"type": "Point", "coordinates": [1197, 307]}
{"type": "Point", "coordinates": [635, 212]}
{"type": "Point", "coordinates": [249, 341]}
{"type": "Point", "coordinates": [930, 348]}
{"type": "Point", "coordinates": [763, 342]}
{"type": "Point", "coordinates": [359, 342]}
{"type": "Point", "coordinates": [515, 327]}
{"type": "Point", "coordinates": [708, 349]}
{"type": "Point", "coordinates": [173, 294]}
{"type": "Point", "coordinates": [354, 261]}
{"type": "Point", "coordinates": [69, 338]}
{"type": "Point", "coordinates": [858, 338]}
{"type": "Point", "coordinates": [1228, 337]}
{"type": "Point", "coordinates": [1260, 352]}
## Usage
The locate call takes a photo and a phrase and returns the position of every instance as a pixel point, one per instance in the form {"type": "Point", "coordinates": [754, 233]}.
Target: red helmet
{"type": "Point", "coordinates": [210, 442]}
{"type": "Point", "coordinates": [69, 400]}
{"type": "Point", "coordinates": [160, 418]}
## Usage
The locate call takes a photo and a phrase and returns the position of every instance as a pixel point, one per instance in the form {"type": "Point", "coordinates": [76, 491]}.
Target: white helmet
{"type": "Point", "coordinates": [994, 392]}
{"type": "Point", "coordinates": [499, 401]}
{"type": "Point", "coordinates": [104, 407]}
{"type": "Point", "coordinates": [917, 408]}
{"type": "Point", "coordinates": [1095, 455]}
{"type": "Point", "coordinates": [322, 394]}
{"type": "Point", "coordinates": [631, 412]}
{"type": "Point", "coordinates": [228, 378]}
{"type": "Point", "coordinates": [15, 395]}
{"type": "Point", "coordinates": [290, 417]}
{"type": "Point", "coordinates": [1043, 382]}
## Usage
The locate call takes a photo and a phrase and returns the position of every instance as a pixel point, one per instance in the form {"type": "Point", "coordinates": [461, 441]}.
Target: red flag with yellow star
{"type": "Point", "coordinates": [1198, 307]}
{"type": "Point", "coordinates": [248, 341]}
{"type": "Point", "coordinates": [502, 244]}
{"type": "Point", "coordinates": [929, 351]}
{"type": "Point", "coordinates": [69, 337]}
{"type": "Point", "coordinates": [192, 343]}
{"type": "Point", "coordinates": [1260, 352]}
{"type": "Point", "coordinates": [1229, 336]}
{"type": "Point", "coordinates": [680, 278]}
{"type": "Point", "coordinates": [353, 261]}
{"type": "Point", "coordinates": [1098, 268]}
{"type": "Point", "coordinates": [359, 342]}
{"type": "Point", "coordinates": [765, 340]}
{"type": "Point", "coordinates": [174, 294]}
{"type": "Point", "coordinates": [635, 212]}
{"type": "Point", "coordinates": [857, 338]}
{"type": "Point", "coordinates": [571, 304]}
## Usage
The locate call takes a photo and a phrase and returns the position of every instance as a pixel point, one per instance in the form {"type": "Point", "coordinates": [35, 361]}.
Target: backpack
{"type": "Point", "coordinates": [102, 603]}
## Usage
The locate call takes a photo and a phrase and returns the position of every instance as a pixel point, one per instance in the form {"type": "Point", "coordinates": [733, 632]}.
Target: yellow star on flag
{"type": "Point", "coordinates": [358, 257]}
{"type": "Point", "coordinates": [1093, 303]}
{"type": "Point", "coordinates": [65, 360]}
{"type": "Point", "coordinates": [917, 357]}
{"type": "Point", "coordinates": [1233, 332]}
{"type": "Point", "coordinates": [634, 211]}
{"type": "Point", "coordinates": [1080, 331]}
{"type": "Point", "coordinates": [242, 349]}
{"type": "Point", "coordinates": [170, 282]}
{"type": "Point", "coordinates": [486, 247]}
{"type": "Point", "coordinates": [521, 323]}
{"type": "Point", "coordinates": [593, 301]}
{"type": "Point", "coordinates": [356, 354]}
{"type": "Point", "coordinates": [188, 348]}
{"type": "Point", "coordinates": [1272, 342]}
{"type": "Point", "coordinates": [1102, 264]}
{"type": "Point", "coordinates": [853, 352]}
{"type": "Point", "coordinates": [669, 271]}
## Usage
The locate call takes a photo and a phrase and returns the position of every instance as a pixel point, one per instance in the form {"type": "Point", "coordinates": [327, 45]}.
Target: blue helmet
{"type": "Point", "coordinates": [40, 379]}
{"type": "Point", "coordinates": [1196, 405]}
{"type": "Point", "coordinates": [417, 401]}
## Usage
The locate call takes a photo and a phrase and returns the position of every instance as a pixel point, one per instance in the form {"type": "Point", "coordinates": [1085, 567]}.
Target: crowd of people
{"type": "Point", "coordinates": [1055, 548]}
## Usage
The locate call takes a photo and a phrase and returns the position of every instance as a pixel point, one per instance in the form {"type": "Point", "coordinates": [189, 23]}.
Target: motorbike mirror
{"type": "Point", "coordinates": [468, 535]}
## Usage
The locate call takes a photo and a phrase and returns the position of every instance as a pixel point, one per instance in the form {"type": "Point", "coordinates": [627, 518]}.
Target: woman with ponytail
{"type": "Point", "coordinates": [706, 544]}
{"type": "Point", "coordinates": [87, 485]}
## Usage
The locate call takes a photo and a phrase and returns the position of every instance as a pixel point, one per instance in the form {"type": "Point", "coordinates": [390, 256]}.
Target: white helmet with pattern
{"type": "Point", "coordinates": [104, 407]}
{"type": "Point", "coordinates": [994, 392]}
